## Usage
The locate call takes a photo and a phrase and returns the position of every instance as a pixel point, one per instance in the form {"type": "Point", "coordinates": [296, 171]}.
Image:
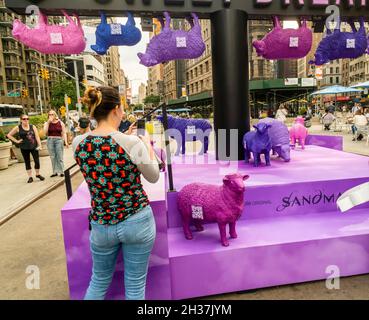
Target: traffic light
{"type": "Point", "coordinates": [25, 93]}
{"type": "Point", "coordinates": [46, 74]}
{"type": "Point", "coordinates": [40, 73]}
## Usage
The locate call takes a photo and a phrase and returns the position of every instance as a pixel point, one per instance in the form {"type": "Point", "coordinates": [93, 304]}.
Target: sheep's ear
{"type": "Point", "coordinates": [269, 125]}
{"type": "Point", "coordinates": [245, 177]}
{"type": "Point", "coordinates": [255, 126]}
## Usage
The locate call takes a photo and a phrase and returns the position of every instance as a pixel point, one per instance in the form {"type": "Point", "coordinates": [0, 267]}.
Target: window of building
{"type": "Point", "coordinates": [261, 68]}
{"type": "Point", "coordinates": [201, 69]}
{"type": "Point", "coordinates": [337, 70]}
{"type": "Point", "coordinates": [207, 66]}
{"type": "Point", "coordinates": [197, 87]}
{"type": "Point", "coordinates": [191, 74]}
{"type": "Point", "coordinates": [201, 85]}
{"type": "Point", "coordinates": [89, 67]}
{"type": "Point", "coordinates": [196, 72]}
{"type": "Point", "coordinates": [337, 79]}
{"type": "Point", "coordinates": [331, 70]}
{"type": "Point", "coordinates": [331, 80]}
{"type": "Point", "coordinates": [188, 76]}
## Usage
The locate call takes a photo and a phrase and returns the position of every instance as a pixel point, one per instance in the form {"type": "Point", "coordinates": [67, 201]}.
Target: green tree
{"type": "Point", "coordinates": [60, 88]}
{"type": "Point", "coordinates": [137, 107]}
{"type": "Point", "coordinates": [151, 99]}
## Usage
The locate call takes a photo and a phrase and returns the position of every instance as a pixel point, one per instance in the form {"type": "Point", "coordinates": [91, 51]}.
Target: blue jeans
{"type": "Point", "coordinates": [56, 152]}
{"type": "Point", "coordinates": [135, 237]}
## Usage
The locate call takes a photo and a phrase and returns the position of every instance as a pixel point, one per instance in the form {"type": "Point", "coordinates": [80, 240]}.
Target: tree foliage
{"type": "Point", "coordinates": [60, 88]}
{"type": "Point", "coordinates": [151, 99]}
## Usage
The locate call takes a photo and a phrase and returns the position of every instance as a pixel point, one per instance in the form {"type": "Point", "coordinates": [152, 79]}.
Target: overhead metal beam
{"type": "Point", "coordinates": [256, 9]}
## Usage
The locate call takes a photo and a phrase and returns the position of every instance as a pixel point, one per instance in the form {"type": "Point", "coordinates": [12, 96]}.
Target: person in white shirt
{"type": "Point", "coordinates": [359, 121]}
{"type": "Point", "coordinates": [281, 114]}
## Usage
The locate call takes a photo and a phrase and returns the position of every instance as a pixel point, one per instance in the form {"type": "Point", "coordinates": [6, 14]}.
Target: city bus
{"type": "Point", "coordinates": [9, 114]}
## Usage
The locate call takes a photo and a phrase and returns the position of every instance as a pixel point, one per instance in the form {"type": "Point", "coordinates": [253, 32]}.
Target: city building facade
{"type": "Point", "coordinates": [19, 67]}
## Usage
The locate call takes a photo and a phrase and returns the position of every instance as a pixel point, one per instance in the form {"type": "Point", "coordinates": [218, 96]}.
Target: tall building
{"type": "Point", "coordinates": [94, 70]}
{"type": "Point", "coordinates": [287, 69]}
{"type": "Point", "coordinates": [199, 76]}
{"type": "Point", "coordinates": [332, 74]}
{"type": "Point", "coordinates": [141, 93]}
{"type": "Point", "coordinates": [260, 68]}
{"type": "Point", "coordinates": [155, 82]}
{"type": "Point", "coordinates": [304, 69]}
{"type": "Point", "coordinates": [19, 66]}
{"type": "Point", "coordinates": [112, 67]}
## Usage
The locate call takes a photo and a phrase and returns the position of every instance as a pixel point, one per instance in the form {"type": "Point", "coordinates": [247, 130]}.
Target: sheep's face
{"type": "Point", "coordinates": [262, 127]}
{"type": "Point", "coordinates": [235, 182]}
{"type": "Point", "coordinates": [285, 152]}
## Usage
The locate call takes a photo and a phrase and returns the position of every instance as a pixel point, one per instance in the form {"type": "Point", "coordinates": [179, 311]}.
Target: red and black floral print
{"type": "Point", "coordinates": [113, 179]}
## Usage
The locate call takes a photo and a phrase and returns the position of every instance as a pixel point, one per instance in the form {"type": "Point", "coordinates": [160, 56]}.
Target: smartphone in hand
{"type": "Point", "coordinates": [141, 127]}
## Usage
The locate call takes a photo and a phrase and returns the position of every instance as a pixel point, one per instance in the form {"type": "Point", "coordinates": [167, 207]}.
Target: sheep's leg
{"type": "Point", "coordinates": [267, 158]}
{"type": "Point", "coordinates": [293, 142]}
{"type": "Point", "coordinates": [198, 225]}
{"type": "Point", "coordinates": [183, 145]}
{"type": "Point", "coordinates": [232, 230]}
{"type": "Point", "coordinates": [247, 156]}
{"type": "Point", "coordinates": [256, 159]}
{"type": "Point", "coordinates": [223, 234]}
{"type": "Point", "coordinates": [302, 144]}
{"type": "Point", "coordinates": [186, 227]}
{"type": "Point", "coordinates": [206, 144]}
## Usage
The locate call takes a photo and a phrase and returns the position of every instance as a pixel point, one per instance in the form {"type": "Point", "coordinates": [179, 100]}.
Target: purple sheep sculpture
{"type": "Point", "coordinates": [174, 44]}
{"type": "Point", "coordinates": [189, 130]}
{"type": "Point", "coordinates": [298, 132]}
{"type": "Point", "coordinates": [258, 142]}
{"type": "Point", "coordinates": [280, 44]}
{"type": "Point", "coordinates": [203, 203]}
{"type": "Point", "coordinates": [280, 138]}
{"type": "Point", "coordinates": [342, 45]}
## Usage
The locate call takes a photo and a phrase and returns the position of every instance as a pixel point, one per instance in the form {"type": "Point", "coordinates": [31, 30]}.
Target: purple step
{"type": "Point", "coordinates": [269, 252]}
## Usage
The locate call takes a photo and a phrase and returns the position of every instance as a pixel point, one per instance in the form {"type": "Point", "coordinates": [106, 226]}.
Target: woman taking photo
{"type": "Point", "coordinates": [121, 217]}
{"type": "Point", "coordinates": [29, 144]}
{"type": "Point", "coordinates": [56, 136]}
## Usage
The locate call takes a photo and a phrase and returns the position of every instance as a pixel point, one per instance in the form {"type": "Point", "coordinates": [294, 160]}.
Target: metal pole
{"type": "Point", "coordinates": [167, 148]}
{"type": "Point", "coordinates": [67, 110]}
{"type": "Point", "coordinates": [39, 93]}
{"type": "Point", "coordinates": [77, 88]}
{"type": "Point", "coordinates": [68, 184]}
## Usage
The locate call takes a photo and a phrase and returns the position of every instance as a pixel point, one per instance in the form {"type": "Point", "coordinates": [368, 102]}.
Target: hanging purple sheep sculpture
{"type": "Point", "coordinates": [203, 203]}
{"type": "Point", "coordinates": [189, 130]}
{"type": "Point", "coordinates": [280, 44]}
{"type": "Point", "coordinates": [258, 142]}
{"type": "Point", "coordinates": [174, 44]}
{"type": "Point", "coordinates": [108, 35]}
{"type": "Point", "coordinates": [342, 45]}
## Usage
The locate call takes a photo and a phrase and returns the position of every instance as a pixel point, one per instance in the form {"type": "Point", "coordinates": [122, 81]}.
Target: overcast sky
{"type": "Point", "coordinates": [129, 61]}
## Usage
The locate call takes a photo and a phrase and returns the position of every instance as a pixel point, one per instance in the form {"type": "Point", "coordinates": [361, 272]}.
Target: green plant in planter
{"type": "Point", "coordinates": [3, 137]}
{"type": "Point", "coordinates": [38, 121]}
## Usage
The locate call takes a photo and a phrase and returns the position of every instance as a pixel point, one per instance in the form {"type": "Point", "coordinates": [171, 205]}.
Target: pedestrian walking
{"type": "Point", "coordinates": [121, 218]}
{"type": "Point", "coordinates": [56, 137]}
{"type": "Point", "coordinates": [281, 114]}
{"type": "Point", "coordinates": [29, 144]}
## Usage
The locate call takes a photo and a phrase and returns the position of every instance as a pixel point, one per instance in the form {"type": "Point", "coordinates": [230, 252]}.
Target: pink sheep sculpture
{"type": "Point", "coordinates": [298, 132]}
{"type": "Point", "coordinates": [202, 203]}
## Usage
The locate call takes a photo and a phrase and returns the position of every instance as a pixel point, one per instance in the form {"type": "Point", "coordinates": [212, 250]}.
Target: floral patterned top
{"type": "Point", "coordinates": [113, 179]}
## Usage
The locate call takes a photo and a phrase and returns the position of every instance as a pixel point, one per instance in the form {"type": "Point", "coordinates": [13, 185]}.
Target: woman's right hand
{"type": "Point", "coordinates": [19, 141]}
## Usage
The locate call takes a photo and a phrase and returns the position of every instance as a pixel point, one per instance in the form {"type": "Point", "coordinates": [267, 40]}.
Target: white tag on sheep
{"type": "Point", "coordinates": [116, 29]}
{"type": "Point", "coordinates": [56, 38]}
{"type": "Point", "coordinates": [294, 42]}
{"type": "Point", "coordinates": [191, 129]}
{"type": "Point", "coordinates": [197, 212]}
{"type": "Point", "coordinates": [181, 42]}
{"type": "Point", "coordinates": [350, 44]}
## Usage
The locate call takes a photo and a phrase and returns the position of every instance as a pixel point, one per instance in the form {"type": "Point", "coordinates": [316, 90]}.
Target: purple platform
{"type": "Point", "coordinates": [278, 244]}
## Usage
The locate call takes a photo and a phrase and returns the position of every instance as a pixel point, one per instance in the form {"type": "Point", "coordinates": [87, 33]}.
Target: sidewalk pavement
{"type": "Point", "coordinates": [16, 193]}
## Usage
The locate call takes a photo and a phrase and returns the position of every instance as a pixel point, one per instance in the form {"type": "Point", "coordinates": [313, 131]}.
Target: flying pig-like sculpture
{"type": "Point", "coordinates": [342, 45]}
{"type": "Point", "coordinates": [108, 35]}
{"type": "Point", "coordinates": [281, 44]}
{"type": "Point", "coordinates": [174, 44]}
{"type": "Point", "coordinates": [51, 39]}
